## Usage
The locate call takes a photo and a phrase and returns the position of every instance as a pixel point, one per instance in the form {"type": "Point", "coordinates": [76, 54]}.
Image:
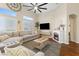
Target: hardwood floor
{"type": "Point", "coordinates": [69, 50]}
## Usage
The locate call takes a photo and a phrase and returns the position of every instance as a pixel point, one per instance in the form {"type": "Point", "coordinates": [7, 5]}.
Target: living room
{"type": "Point", "coordinates": [38, 29]}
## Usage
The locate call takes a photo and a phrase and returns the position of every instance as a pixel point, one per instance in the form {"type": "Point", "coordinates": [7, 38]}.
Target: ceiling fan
{"type": "Point", "coordinates": [36, 7]}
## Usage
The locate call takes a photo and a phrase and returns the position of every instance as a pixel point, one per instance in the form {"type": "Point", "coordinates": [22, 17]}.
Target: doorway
{"type": "Point", "coordinates": [72, 28]}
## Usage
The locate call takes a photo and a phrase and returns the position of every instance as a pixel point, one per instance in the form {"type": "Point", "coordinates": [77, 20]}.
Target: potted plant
{"type": "Point", "coordinates": [37, 26]}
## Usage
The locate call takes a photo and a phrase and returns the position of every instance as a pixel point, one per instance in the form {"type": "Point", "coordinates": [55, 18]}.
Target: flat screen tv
{"type": "Point", "coordinates": [45, 26]}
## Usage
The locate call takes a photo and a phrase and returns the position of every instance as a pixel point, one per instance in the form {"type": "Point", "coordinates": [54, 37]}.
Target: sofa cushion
{"type": "Point", "coordinates": [4, 37]}
{"type": "Point", "coordinates": [10, 34]}
{"type": "Point", "coordinates": [19, 39]}
{"type": "Point", "coordinates": [11, 42]}
{"type": "Point", "coordinates": [22, 33]}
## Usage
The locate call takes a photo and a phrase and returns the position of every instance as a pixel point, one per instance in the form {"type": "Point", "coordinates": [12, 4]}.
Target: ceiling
{"type": "Point", "coordinates": [49, 6]}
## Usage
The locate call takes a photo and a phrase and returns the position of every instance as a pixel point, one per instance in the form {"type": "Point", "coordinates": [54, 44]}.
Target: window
{"type": "Point", "coordinates": [28, 23]}
{"type": "Point", "coordinates": [7, 22]}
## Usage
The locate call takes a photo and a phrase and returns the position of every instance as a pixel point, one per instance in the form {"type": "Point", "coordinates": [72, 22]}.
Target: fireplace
{"type": "Point", "coordinates": [56, 36]}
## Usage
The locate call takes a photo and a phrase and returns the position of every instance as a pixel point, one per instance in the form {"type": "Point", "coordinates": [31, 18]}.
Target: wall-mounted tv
{"type": "Point", "coordinates": [44, 26]}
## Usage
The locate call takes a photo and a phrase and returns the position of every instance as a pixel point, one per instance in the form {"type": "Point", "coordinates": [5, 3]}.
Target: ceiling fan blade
{"type": "Point", "coordinates": [43, 4]}
{"type": "Point", "coordinates": [26, 6]}
{"type": "Point", "coordinates": [34, 11]}
{"type": "Point", "coordinates": [32, 4]}
{"type": "Point", "coordinates": [39, 10]}
{"type": "Point", "coordinates": [44, 8]}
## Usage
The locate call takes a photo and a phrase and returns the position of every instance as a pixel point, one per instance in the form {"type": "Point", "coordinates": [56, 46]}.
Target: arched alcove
{"type": "Point", "coordinates": [72, 27]}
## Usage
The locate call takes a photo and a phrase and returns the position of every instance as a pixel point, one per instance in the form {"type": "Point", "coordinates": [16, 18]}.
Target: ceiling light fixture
{"type": "Point", "coordinates": [36, 7]}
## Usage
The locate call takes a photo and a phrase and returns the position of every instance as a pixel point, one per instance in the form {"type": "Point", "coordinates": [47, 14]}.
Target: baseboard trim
{"type": "Point", "coordinates": [75, 42]}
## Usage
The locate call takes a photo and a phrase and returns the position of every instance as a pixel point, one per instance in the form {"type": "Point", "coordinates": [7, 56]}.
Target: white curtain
{"type": "Point", "coordinates": [7, 24]}
{"type": "Point", "coordinates": [28, 23]}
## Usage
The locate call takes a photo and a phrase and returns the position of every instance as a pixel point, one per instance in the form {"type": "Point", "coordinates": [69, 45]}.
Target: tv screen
{"type": "Point", "coordinates": [45, 26]}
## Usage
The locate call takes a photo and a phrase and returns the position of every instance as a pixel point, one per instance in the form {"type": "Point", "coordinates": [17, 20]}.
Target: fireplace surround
{"type": "Point", "coordinates": [58, 36]}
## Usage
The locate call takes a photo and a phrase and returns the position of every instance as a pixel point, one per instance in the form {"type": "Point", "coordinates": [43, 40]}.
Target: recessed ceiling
{"type": "Point", "coordinates": [49, 6]}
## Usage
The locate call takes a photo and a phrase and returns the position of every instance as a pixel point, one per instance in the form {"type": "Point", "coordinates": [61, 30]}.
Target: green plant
{"type": "Point", "coordinates": [37, 25]}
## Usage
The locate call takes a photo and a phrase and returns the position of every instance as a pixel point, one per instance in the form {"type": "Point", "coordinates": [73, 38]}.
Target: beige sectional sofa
{"type": "Point", "coordinates": [18, 38]}
{"type": "Point", "coordinates": [24, 35]}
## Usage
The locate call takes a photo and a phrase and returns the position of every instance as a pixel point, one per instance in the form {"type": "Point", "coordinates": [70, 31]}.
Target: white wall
{"type": "Point", "coordinates": [20, 15]}
{"type": "Point", "coordinates": [73, 8]}
{"type": "Point", "coordinates": [60, 18]}
{"type": "Point", "coordinates": [46, 18]}
{"type": "Point", "coordinates": [56, 18]}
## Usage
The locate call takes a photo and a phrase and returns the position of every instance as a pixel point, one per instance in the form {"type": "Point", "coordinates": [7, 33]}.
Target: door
{"type": "Point", "coordinates": [72, 19]}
